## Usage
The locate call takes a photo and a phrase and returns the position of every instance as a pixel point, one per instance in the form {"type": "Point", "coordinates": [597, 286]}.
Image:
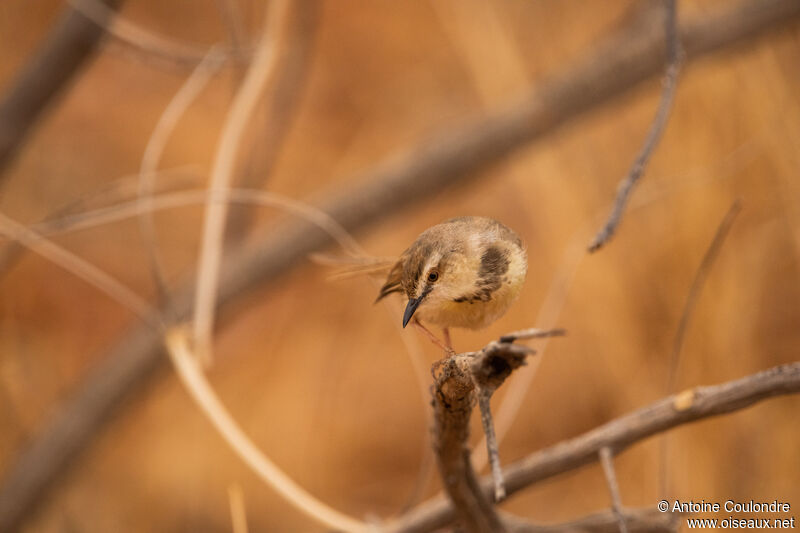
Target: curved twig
{"type": "Point", "coordinates": [192, 377]}
{"type": "Point", "coordinates": [210, 260]}
{"type": "Point", "coordinates": [177, 106]}
{"type": "Point", "coordinates": [139, 38]}
{"type": "Point", "coordinates": [680, 333]}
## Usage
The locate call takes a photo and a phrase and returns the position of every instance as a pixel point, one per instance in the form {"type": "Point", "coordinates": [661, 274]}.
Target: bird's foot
{"type": "Point", "coordinates": [433, 338]}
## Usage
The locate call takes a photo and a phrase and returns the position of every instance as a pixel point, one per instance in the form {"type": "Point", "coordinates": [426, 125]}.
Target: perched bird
{"type": "Point", "coordinates": [462, 273]}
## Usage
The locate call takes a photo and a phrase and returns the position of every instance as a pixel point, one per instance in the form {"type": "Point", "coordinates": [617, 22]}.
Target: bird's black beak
{"type": "Point", "coordinates": [413, 303]}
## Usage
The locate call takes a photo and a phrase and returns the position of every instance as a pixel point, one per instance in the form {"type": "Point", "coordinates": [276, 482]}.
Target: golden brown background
{"type": "Point", "coordinates": [317, 375]}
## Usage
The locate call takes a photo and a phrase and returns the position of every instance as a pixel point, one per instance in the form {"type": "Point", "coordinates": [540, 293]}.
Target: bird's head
{"type": "Point", "coordinates": [437, 270]}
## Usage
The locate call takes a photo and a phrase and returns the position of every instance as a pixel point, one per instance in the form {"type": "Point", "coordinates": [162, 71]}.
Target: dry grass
{"type": "Point", "coordinates": [315, 377]}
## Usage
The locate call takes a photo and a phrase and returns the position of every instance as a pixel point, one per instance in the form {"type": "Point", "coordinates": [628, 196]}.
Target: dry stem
{"type": "Point", "coordinates": [177, 106]}
{"type": "Point", "coordinates": [80, 268]}
{"type": "Point", "coordinates": [192, 377]}
{"type": "Point", "coordinates": [210, 260]}
{"type": "Point", "coordinates": [694, 293]}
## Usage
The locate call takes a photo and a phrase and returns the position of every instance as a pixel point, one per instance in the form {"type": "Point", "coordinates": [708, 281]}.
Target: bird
{"type": "Point", "coordinates": [463, 273]}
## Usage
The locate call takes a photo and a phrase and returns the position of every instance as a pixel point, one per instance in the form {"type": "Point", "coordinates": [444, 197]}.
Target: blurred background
{"type": "Point", "coordinates": [317, 375]}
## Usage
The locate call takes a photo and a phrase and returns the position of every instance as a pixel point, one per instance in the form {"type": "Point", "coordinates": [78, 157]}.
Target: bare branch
{"type": "Point", "coordinates": [458, 380]}
{"type": "Point", "coordinates": [689, 406]}
{"type": "Point", "coordinates": [607, 461]}
{"type": "Point", "coordinates": [454, 157]}
{"type": "Point", "coordinates": [67, 47]}
{"type": "Point", "coordinates": [660, 121]}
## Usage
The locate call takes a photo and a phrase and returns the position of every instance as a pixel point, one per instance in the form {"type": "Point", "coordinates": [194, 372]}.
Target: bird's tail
{"type": "Point", "coordinates": [346, 267]}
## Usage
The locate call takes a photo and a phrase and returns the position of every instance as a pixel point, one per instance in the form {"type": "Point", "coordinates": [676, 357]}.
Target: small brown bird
{"type": "Point", "coordinates": [464, 273]}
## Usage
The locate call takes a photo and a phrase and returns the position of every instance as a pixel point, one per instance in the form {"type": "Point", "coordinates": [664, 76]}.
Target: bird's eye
{"type": "Point", "coordinates": [433, 276]}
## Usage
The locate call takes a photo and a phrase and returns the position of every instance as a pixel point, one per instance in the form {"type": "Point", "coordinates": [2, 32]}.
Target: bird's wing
{"type": "Point", "coordinates": [394, 280]}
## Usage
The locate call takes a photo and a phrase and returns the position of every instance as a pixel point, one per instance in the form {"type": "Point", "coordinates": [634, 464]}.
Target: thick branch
{"type": "Point", "coordinates": [59, 58]}
{"type": "Point", "coordinates": [453, 158]}
{"type": "Point", "coordinates": [617, 435]}
{"type": "Point", "coordinates": [458, 380]}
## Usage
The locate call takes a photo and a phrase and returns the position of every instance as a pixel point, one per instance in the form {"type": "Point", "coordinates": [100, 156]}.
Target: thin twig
{"type": "Point", "coordinates": [280, 101]}
{"type": "Point", "coordinates": [689, 406]}
{"type": "Point", "coordinates": [232, 16]}
{"type": "Point", "coordinates": [607, 462]}
{"type": "Point", "coordinates": [699, 281]}
{"type": "Point", "coordinates": [484, 398]}
{"type": "Point", "coordinates": [114, 191]}
{"type": "Point", "coordinates": [166, 124]}
{"type": "Point", "coordinates": [192, 377]}
{"type": "Point", "coordinates": [646, 520]}
{"type": "Point", "coordinates": [210, 260]}
{"type": "Point", "coordinates": [65, 50]}
{"type": "Point", "coordinates": [80, 268]}
{"type": "Point", "coordinates": [436, 164]}
{"type": "Point", "coordinates": [174, 199]}
{"type": "Point", "coordinates": [680, 334]}
{"type": "Point", "coordinates": [667, 95]}
{"type": "Point", "coordinates": [492, 447]}
{"type": "Point", "coordinates": [143, 40]}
